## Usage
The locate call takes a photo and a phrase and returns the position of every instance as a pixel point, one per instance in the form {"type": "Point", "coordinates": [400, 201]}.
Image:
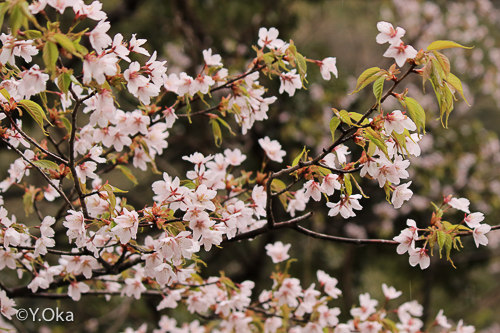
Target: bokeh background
{"type": "Point", "coordinates": [463, 160]}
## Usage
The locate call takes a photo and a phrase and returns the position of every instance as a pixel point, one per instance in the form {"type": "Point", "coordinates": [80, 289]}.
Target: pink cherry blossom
{"type": "Point", "coordinates": [211, 60]}
{"type": "Point", "coordinates": [76, 289]}
{"type": "Point", "coordinates": [367, 307]}
{"type": "Point", "coordinates": [99, 39]}
{"type": "Point", "coordinates": [441, 320]}
{"type": "Point", "coordinates": [401, 193]}
{"type": "Point", "coordinates": [419, 256]}
{"type": "Point", "coordinates": [272, 149]}
{"type": "Point", "coordinates": [388, 34]}
{"type": "Point", "coordinates": [7, 305]}
{"type": "Point", "coordinates": [278, 251]}
{"type": "Point", "coordinates": [289, 82]}
{"type": "Point", "coordinates": [326, 66]}
{"type": "Point", "coordinates": [479, 234]}
{"type": "Point", "coordinates": [269, 38]}
{"type": "Point", "coordinates": [460, 204]}
{"type": "Point", "coordinates": [390, 292]}
{"type": "Point", "coordinates": [473, 220]}
{"type": "Point", "coordinates": [397, 121]}
{"type": "Point", "coordinates": [400, 52]}
{"type": "Point", "coordinates": [313, 189]}
{"type": "Point", "coordinates": [345, 206]}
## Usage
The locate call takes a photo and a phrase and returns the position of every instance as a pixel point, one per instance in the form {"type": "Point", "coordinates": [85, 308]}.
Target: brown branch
{"type": "Point", "coordinates": [66, 253]}
{"type": "Point", "coordinates": [340, 170]}
{"type": "Point", "coordinates": [27, 137]}
{"type": "Point", "coordinates": [259, 231]}
{"type": "Point", "coordinates": [61, 193]}
{"type": "Point", "coordinates": [71, 165]}
{"type": "Point", "coordinates": [318, 235]}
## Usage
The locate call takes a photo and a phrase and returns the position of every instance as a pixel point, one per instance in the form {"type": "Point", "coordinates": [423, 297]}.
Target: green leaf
{"type": "Point", "coordinates": [16, 19]}
{"type": "Point", "coordinates": [302, 65]}
{"type": "Point", "coordinates": [35, 111]}
{"type": "Point", "coordinates": [378, 89]}
{"type": "Point", "coordinates": [50, 55]}
{"type": "Point", "coordinates": [417, 113]}
{"type": "Point", "coordinates": [444, 63]}
{"type": "Point", "coordinates": [33, 34]}
{"type": "Point", "coordinates": [80, 48]}
{"type": "Point", "coordinates": [217, 133]}
{"type": "Point", "coordinates": [347, 184]}
{"type": "Point", "coordinates": [277, 185]}
{"type": "Point", "coordinates": [227, 281]}
{"type": "Point", "coordinates": [63, 82]}
{"type": "Point", "coordinates": [441, 236]}
{"type": "Point", "coordinates": [111, 198]}
{"type": "Point", "coordinates": [268, 58]}
{"type": "Point", "coordinates": [457, 84]}
{"type": "Point", "coordinates": [345, 117]}
{"type": "Point", "coordinates": [375, 137]}
{"type": "Point", "coordinates": [445, 44]}
{"type": "Point", "coordinates": [297, 159]}
{"type": "Point", "coordinates": [359, 187]}
{"type": "Point", "coordinates": [334, 123]}
{"type": "Point", "coordinates": [66, 123]}
{"type": "Point", "coordinates": [426, 73]}
{"type": "Point", "coordinates": [45, 164]}
{"type": "Point", "coordinates": [5, 93]}
{"type": "Point", "coordinates": [401, 139]}
{"type": "Point", "coordinates": [357, 117]}
{"type": "Point", "coordinates": [367, 77]}
{"type": "Point", "coordinates": [449, 244]}
{"type": "Point", "coordinates": [390, 325]}
{"type": "Point", "coordinates": [126, 171]}
{"type": "Point", "coordinates": [66, 43]}
{"type": "Point", "coordinates": [284, 201]}
{"type": "Point", "coordinates": [28, 199]}
{"type": "Point", "coordinates": [3, 9]}
{"type": "Point", "coordinates": [387, 189]}
{"type": "Point", "coordinates": [226, 125]}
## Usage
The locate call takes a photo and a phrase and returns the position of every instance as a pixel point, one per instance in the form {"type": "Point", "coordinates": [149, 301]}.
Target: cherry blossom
{"type": "Point", "coordinates": [390, 292]}
{"type": "Point", "coordinates": [272, 149]}
{"type": "Point", "coordinates": [419, 256]}
{"type": "Point", "coordinates": [464, 329]}
{"type": "Point", "coordinates": [328, 65]}
{"type": "Point", "coordinates": [99, 39]}
{"type": "Point", "coordinates": [211, 60]}
{"type": "Point", "coordinates": [345, 206]}
{"type": "Point", "coordinates": [441, 320]}
{"type": "Point", "coordinates": [473, 220]}
{"type": "Point", "coordinates": [401, 193]}
{"type": "Point", "coordinates": [397, 121]}
{"type": "Point", "coordinates": [460, 204]}
{"type": "Point", "coordinates": [76, 289]}
{"type": "Point", "coordinates": [367, 307]}
{"type": "Point", "coordinates": [269, 38]}
{"type": "Point", "coordinates": [289, 82]}
{"type": "Point", "coordinates": [278, 251]}
{"type": "Point", "coordinates": [7, 305]}
{"type": "Point", "coordinates": [479, 234]}
{"type": "Point", "coordinates": [388, 34]}
{"type": "Point", "coordinates": [400, 52]}
{"type": "Point", "coordinates": [407, 237]}
{"type": "Point", "coordinates": [126, 226]}
{"type": "Point", "coordinates": [313, 189]}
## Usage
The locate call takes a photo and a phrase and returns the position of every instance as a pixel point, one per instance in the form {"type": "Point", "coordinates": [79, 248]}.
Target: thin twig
{"type": "Point", "coordinates": [27, 137]}
{"type": "Point", "coordinates": [318, 235]}
{"type": "Point", "coordinates": [61, 193]}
